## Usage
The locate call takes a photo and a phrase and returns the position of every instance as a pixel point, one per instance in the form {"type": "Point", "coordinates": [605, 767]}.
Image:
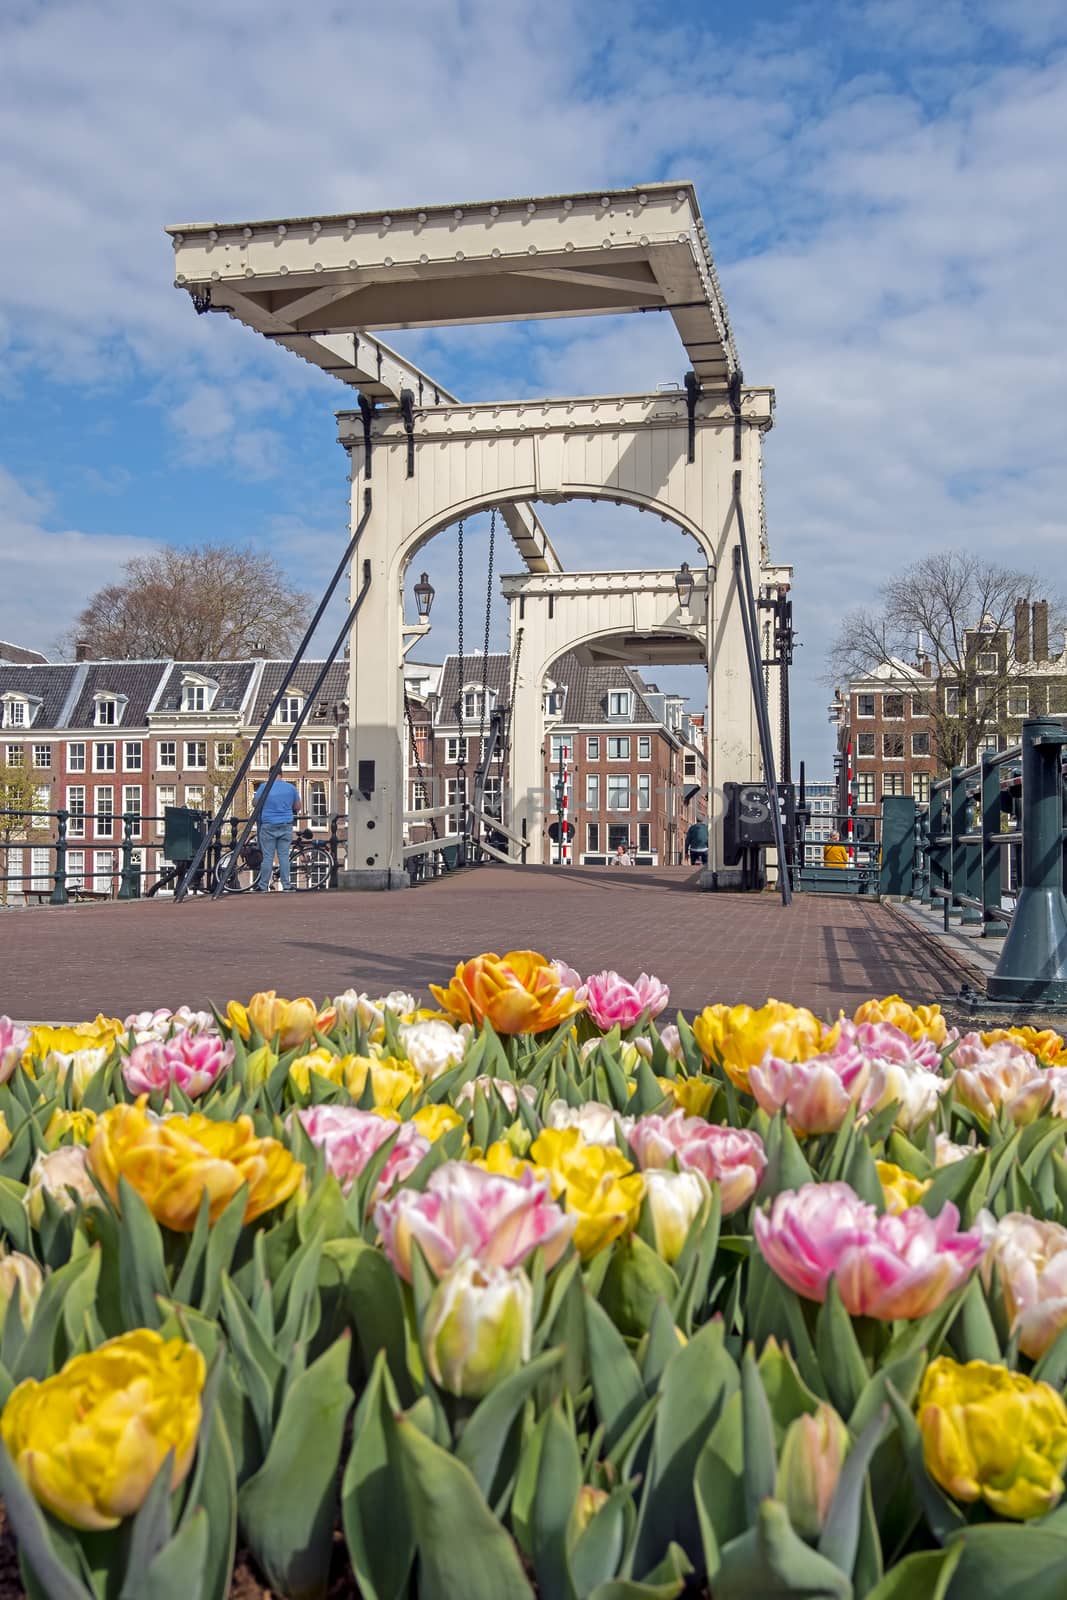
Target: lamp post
{"type": "Point", "coordinates": [561, 791]}
{"type": "Point", "coordinates": [424, 597]}
{"type": "Point", "coordinates": [683, 583]}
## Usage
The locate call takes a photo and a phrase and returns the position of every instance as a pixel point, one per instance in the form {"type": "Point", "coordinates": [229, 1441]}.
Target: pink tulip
{"type": "Point", "coordinates": [349, 1138]}
{"type": "Point", "coordinates": [884, 1266]}
{"type": "Point", "coordinates": [1002, 1075]}
{"type": "Point", "coordinates": [734, 1158]}
{"type": "Point", "coordinates": [881, 1041]}
{"type": "Point", "coordinates": [466, 1211]}
{"type": "Point", "coordinates": [614, 1003]}
{"type": "Point", "coordinates": [14, 1040]}
{"type": "Point", "coordinates": [190, 1061]}
{"type": "Point", "coordinates": [815, 1094]}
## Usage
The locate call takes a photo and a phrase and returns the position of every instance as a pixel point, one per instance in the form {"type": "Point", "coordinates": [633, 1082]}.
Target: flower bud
{"type": "Point", "coordinates": [477, 1328]}
{"type": "Point", "coordinates": [259, 1064]}
{"type": "Point", "coordinates": [676, 1200]}
{"type": "Point", "coordinates": [17, 1270]}
{"type": "Point", "coordinates": [812, 1455]}
{"type": "Point", "coordinates": [589, 1503]}
{"type": "Point", "coordinates": [57, 1172]}
{"type": "Point", "coordinates": [80, 1125]}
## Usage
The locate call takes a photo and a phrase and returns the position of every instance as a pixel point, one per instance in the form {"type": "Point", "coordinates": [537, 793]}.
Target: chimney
{"type": "Point", "coordinates": [81, 650]}
{"type": "Point", "coordinates": [1040, 630]}
{"type": "Point", "coordinates": [1022, 631]}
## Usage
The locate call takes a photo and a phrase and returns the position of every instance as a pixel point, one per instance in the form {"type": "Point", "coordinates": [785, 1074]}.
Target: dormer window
{"type": "Point", "coordinates": [620, 703]}
{"type": "Point", "coordinates": [289, 708]}
{"type": "Point", "coordinates": [472, 703]}
{"type": "Point", "coordinates": [198, 693]}
{"type": "Point", "coordinates": [18, 710]}
{"type": "Point", "coordinates": [109, 709]}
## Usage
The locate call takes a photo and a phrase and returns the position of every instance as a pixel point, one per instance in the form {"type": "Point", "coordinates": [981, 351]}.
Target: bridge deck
{"type": "Point", "coordinates": [67, 963]}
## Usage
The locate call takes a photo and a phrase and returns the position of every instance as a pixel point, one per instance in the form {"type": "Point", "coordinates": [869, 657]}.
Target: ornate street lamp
{"type": "Point", "coordinates": [424, 597]}
{"type": "Point", "coordinates": [683, 582]}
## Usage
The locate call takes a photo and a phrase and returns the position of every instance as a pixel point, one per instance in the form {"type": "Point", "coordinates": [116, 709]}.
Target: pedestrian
{"type": "Point", "coordinates": [281, 803]}
{"type": "Point", "coordinates": [623, 858]}
{"type": "Point", "coordinates": [696, 844]}
{"type": "Point", "coordinates": [834, 853]}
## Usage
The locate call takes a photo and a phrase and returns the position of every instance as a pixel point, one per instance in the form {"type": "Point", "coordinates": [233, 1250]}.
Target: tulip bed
{"type": "Point", "coordinates": [529, 1291]}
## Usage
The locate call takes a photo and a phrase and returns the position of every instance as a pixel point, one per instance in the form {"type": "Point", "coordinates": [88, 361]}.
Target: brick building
{"type": "Point", "coordinates": [889, 720]}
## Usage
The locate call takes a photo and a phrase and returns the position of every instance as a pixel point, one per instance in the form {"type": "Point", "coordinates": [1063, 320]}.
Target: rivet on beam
{"type": "Point", "coordinates": [642, 199]}
{"type": "Point", "coordinates": [681, 195]}
{"type": "Point", "coordinates": [568, 205]}
{"type": "Point", "coordinates": [531, 249]}
{"type": "Point", "coordinates": [179, 239]}
{"type": "Point", "coordinates": [494, 211]}
{"type": "Point", "coordinates": [246, 233]}
{"type": "Point", "coordinates": [387, 222]}
{"type": "Point", "coordinates": [388, 261]}
{"type": "Point", "coordinates": [316, 227]}
{"type": "Point", "coordinates": [530, 208]}
{"type": "Point", "coordinates": [422, 216]}
{"type": "Point", "coordinates": [424, 258]}
{"type": "Point", "coordinates": [458, 214]}
{"type": "Point", "coordinates": [350, 224]}
{"type": "Point", "coordinates": [604, 201]}
{"type": "Point", "coordinates": [212, 235]}
{"type": "Point", "coordinates": [282, 230]}
{"type": "Point", "coordinates": [495, 253]}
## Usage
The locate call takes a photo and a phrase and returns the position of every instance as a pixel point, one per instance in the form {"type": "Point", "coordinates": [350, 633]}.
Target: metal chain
{"type": "Point", "coordinates": [485, 646]}
{"type": "Point", "coordinates": [418, 759]}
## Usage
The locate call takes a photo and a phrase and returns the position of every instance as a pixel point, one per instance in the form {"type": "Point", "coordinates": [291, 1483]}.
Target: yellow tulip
{"type": "Point", "coordinates": [901, 1189]}
{"type": "Point", "coordinates": [692, 1095]}
{"type": "Point", "coordinates": [90, 1440]}
{"type": "Point", "coordinates": [918, 1022]}
{"type": "Point", "coordinates": [519, 992]}
{"type": "Point", "coordinates": [79, 1125]}
{"type": "Point", "coordinates": [323, 1063]}
{"type": "Point", "coordinates": [740, 1036]}
{"type": "Point", "coordinates": [501, 1158]}
{"type": "Point", "coordinates": [63, 1041]}
{"type": "Point", "coordinates": [5, 1135]}
{"type": "Point", "coordinates": [1043, 1043]}
{"type": "Point", "coordinates": [392, 1080]}
{"type": "Point", "coordinates": [599, 1185]}
{"type": "Point", "coordinates": [993, 1435]}
{"type": "Point", "coordinates": [294, 1021]}
{"type": "Point", "coordinates": [259, 1064]}
{"type": "Point", "coordinates": [171, 1161]}
{"type": "Point", "coordinates": [432, 1121]}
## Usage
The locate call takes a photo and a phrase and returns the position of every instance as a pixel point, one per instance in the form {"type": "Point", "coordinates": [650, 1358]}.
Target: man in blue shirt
{"type": "Point", "coordinates": [280, 805]}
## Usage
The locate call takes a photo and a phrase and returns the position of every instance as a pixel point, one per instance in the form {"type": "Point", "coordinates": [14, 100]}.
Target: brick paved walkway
{"type": "Point", "coordinates": [67, 963]}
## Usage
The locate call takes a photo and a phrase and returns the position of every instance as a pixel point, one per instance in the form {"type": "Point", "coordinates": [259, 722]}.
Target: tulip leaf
{"type": "Point", "coordinates": [483, 1439]}
{"type": "Point", "coordinates": [149, 1531]}
{"type": "Point", "coordinates": [599, 1548]}
{"type": "Point", "coordinates": [954, 1183]}
{"type": "Point", "coordinates": [787, 1394]}
{"type": "Point", "coordinates": [381, 1544]}
{"type": "Point", "coordinates": [177, 1573]}
{"type": "Point", "coordinates": [942, 1516]}
{"type": "Point", "coordinates": [260, 1369]}
{"type": "Point", "coordinates": [694, 1265]}
{"type": "Point", "coordinates": [142, 1273]}
{"type": "Point", "coordinates": [464, 1553]}
{"type": "Point", "coordinates": [698, 1381]}
{"type": "Point", "coordinates": [629, 1589]}
{"type": "Point", "coordinates": [840, 1536]}
{"type": "Point", "coordinates": [974, 1337]}
{"type": "Point", "coordinates": [554, 1504]}
{"type": "Point", "coordinates": [287, 1508]}
{"type": "Point", "coordinates": [36, 1547]}
{"type": "Point", "coordinates": [636, 1278]}
{"type": "Point", "coordinates": [1010, 1562]}
{"type": "Point", "coordinates": [787, 1168]}
{"type": "Point", "coordinates": [13, 1219]}
{"type": "Point", "coordinates": [36, 1358]}
{"type": "Point", "coordinates": [617, 1385]}
{"type": "Point", "coordinates": [757, 1426]}
{"type": "Point", "coordinates": [902, 1153]}
{"type": "Point", "coordinates": [372, 1292]}
{"type": "Point", "coordinates": [773, 1562]}
{"type": "Point", "coordinates": [862, 1174]}
{"type": "Point", "coordinates": [217, 1494]}
{"type": "Point", "coordinates": [924, 1576]}
{"type": "Point", "coordinates": [840, 1356]}
{"type": "Point", "coordinates": [187, 1280]}
{"type": "Point", "coordinates": [1052, 1366]}
{"type": "Point", "coordinates": [661, 1344]}
{"type": "Point", "coordinates": [220, 1249]}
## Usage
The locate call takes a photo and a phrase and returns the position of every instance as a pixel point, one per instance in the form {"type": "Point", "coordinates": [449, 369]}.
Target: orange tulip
{"type": "Point", "coordinates": [520, 992]}
{"type": "Point", "coordinates": [918, 1022]}
{"type": "Point", "coordinates": [1045, 1044]}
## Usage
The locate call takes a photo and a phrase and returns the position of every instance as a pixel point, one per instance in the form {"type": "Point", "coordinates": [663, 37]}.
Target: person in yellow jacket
{"type": "Point", "coordinates": [834, 854]}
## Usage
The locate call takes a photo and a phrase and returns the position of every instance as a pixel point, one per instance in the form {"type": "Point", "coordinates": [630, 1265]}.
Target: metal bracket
{"type": "Point", "coordinates": [733, 390]}
{"type": "Point", "coordinates": [201, 299]}
{"type": "Point", "coordinates": [692, 390]}
{"type": "Point", "coordinates": [407, 414]}
{"type": "Point", "coordinates": [366, 411]}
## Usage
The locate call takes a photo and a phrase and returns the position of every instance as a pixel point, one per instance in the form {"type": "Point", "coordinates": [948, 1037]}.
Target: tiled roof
{"type": "Point", "coordinates": [20, 654]}
{"type": "Point", "coordinates": [334, 690]}
{"type": "Point", "coordinates": [588, 689]}
{"type": "Point", "coordinates": [232, 677]}
{"type": "Point", "coordinates": [49, 684]}
{"type": "Point", "coordinates": [499, 681]}
{"type": "Point", "coordinates": [137, 680]}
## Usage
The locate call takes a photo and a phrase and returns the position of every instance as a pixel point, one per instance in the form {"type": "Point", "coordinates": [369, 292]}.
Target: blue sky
{"type": "Point", "coordinates": [883, 185]}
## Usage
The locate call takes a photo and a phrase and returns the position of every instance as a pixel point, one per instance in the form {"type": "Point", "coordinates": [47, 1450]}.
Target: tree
{"type": "Point", "coordinates": [202, 603]}
{"type": "Point", "coordinates": [959, 611]}
{"type": "Point", "coordinates": [18, 798]}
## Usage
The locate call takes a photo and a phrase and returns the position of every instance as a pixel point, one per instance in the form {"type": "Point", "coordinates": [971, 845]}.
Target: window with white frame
{"type": "Point", "coordinates": [76, 812]}
{"type": "Point", "coordinates": [104, 804]}
{"type": "Point", "coordinates": [644, 838]}
{"type": "Point", "coordinates": [15, 755]}
{"type": "Point", "coordinates": [318, 815]}
{"type": "Point", "coordinates": [196, 754]}
{"type": "Point", "coordinates": [562, 746]}
{"type": "Point", "coordinates": [419, 795]}
{"type": "Point", "coordinates": [224, 755]}
{"type": "Point", "coordinates": [319, 755]}
{"type": "Point", "coordinates": [168, 755]}
{"type": "Point", "coordinates": [472, 704]}
{"type": "Point", "coordinates": [920, 744]}
{"type": "Point", "coordinates": [952, 701]}
{"type": "Point", "coordinates": [893, 783]}
{"type": "Point", "coordinates": [195, 695]}
{"type": "Point", "coordinates": [131, 806]}
{"type": "Point", "coordinates": [619, 748]}
{"type": "Point", "coordinates": [194, 796]}
{"type": "Point", "coordinates": [289, 708]}
{"type": "Point", "coordinates": [644, 791]}
{"type": "Point", "coordinates": [893, 746]}
{"type": "Point", "coordinates": [42, 801]}
{"type": "Point", "coordinates": [76, 756]}
{"type": "Point", "coordinates": [108, 710]}
{"type": "Point", "coordinates": [618, 791]}
{"type": "Point", "coordinates": [920, 787]}
{"type": "Point", "coordinates": [893, 706]}
{"type": "Point", "coordinates": [104, 757]}
{"type": "Point", "coordinates": [865, 705]}
{"type": "Point", "coordinates": [104, 862]}
{"type": "Point", "coordinates": [261, 759]}
{"type": "Point", "coordinates": [592, 837]}
{"type": "Point", "coordinates": [291, 759]}
{"type": "Point", "coordinates": [455, 794]}
{"type": "Point", "coordinates": [620, 703]}
{"type": "Point", "coordinates": [15, 714]}
{"type": "Point", "coordinates": [42, 755]}
{"type": "Point", "coordinates": [592, 791]}
{"type": "Point", "coordinates": [1019, 702]}
{"type": "Point", "coordinates": [592, 748]}
{"type": "Point", "coordinates": [40, 867]}
{"type": "Point", "coordinates": [494, 796]}
{"type": "Point", "coordinates": [75, 869]}
{"type": "Point", "coordinates": [452, 751]}
{"type": "Point", "coordinates": [689, 764]}
{"type": "Point", "coordinates": [865, 789]}
{"type": "Point", "coordinates": [166, 795]}
{"type": "Point", "coordinates": [132, 755]}
{"type": "Point", "coordinates": [988, 661]}
{"type": "Point", "coordinates": [644, 747]}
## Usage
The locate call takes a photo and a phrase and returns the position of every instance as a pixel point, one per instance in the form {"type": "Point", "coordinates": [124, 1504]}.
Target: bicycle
{"type": "Point", "coordinates": [310, 866]}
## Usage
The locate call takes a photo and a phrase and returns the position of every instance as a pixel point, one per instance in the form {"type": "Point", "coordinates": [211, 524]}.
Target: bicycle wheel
{"type": "Point", "coordinates": [244, 876]}
{"type": "Point", "coordinates": [310, 866]}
